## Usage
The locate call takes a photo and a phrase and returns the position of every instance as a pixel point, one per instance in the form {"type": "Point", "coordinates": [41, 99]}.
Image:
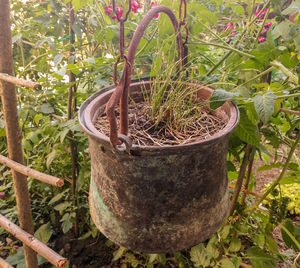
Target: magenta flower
{"type": "Point", "coordinates": [153, 4]}
{"type": "Point", "coordinates": [261, 39]}
{"type": "Point", "coordinates": [119, 13]}
{"type": "Point", "coordinates": [230, 25]}
{"type": "Point", "coordinates": [262, 14]}
{"type": "Point", "coordinates": [135, 6]}
{"type": "Point", "coordinates": [108, 10]}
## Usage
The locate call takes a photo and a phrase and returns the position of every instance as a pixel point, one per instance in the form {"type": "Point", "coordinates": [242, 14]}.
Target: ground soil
{"type": "Point", "coordinates": [143, 130]}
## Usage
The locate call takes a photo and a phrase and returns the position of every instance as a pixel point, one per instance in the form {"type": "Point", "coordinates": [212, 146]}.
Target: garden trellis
{"type": "Point", "coordinates": [15, 160]}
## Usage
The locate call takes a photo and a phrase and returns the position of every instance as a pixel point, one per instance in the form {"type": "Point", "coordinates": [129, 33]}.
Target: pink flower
{"type": "Point", "coordinates": [230, 25]}
{"type": "Point", "coordinates": [108, 10]}
{"type": "Point", "coordinates": [119, 13]}
{"type": "Point", "coordinates": [135, 6]}
{"type": "Point", "coordinates": [2, 195]}
{"type": "Point", "coordinates": [269, 24]}
{"type": "Point", "coordinates": [262, 14]}
{"type": "Point", "coordinates": [15, 247]}
{"type": "Point", "coordinates": [261, 39]}
{"type": "Point", "coordinates": [154, 4]}
{"type": "Point", "coordinates": [233, 32]}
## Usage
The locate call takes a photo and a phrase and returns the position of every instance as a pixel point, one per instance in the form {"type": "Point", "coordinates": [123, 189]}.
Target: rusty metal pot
{"type": "Point", "coordinates": [156, 199]}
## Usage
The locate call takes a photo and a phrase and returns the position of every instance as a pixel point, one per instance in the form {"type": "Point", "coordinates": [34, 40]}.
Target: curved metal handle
{"type": "Point", "coordinates": [121, 91]}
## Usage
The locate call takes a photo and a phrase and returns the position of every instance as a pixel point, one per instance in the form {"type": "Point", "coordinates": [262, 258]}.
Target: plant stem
{"type": "Point", "coordinates": [248, 175]}
{"type": "Point", "coordinates": [275, 183]}
{"type": "Point", "coordinates": [225, 47]}
{"type": "Point", "coordinates": [288, 96]}
{"type": "Point", "coordinates": [239, 182]}
{"type": "Point", "coordinates": [262, 25]}
{"type": "Point", "coordinates": [289, 111]}
{"type": "Point", "coordinates": [286, 71]}
{"type": "Point", "coordinates": [290, 235]}
{"type": "Point", "coordinates": [148, 42]}
{"type": "Point", "coordinates": [257, 76]}
{"type": "Point", "coordinates": [238, 40]}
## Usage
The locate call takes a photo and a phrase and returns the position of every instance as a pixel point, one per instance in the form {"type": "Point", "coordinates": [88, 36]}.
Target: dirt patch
{"type": "Point", "coordinates": [200, 124]}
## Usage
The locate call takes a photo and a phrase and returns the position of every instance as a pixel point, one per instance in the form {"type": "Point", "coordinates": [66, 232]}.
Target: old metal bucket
{"type": "Point", "coordinates": [157, 199]}
{"type": "Point", "coordinates": [150, 198]}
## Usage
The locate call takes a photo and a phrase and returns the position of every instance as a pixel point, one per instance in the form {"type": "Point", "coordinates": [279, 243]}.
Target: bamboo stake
{"type": "Point", "coordinates": [4, 264]}
{"type": "Point", "coordinates": [33, 243]}
{"type": "Point", "coordinates": [13, 132]}
{"type": "Point", "coordinates": [71, 111]}
{"type": "Point", "coordinates": [18, 81]}
{"type": "Point", "coordinates": [29, 172]}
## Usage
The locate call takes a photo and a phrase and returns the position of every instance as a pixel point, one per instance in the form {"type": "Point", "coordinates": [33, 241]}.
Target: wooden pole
{"type": "Point", "coordinates": [18, 81]}
{"type": "Point", "coordinates": [29, 172]}
{"type": "Point", "coordinates": [4, 264]}
{"type": "Point", "coordinates": [33, 243]}
{"type": "Point", "coordinates": [13, 132]}
{"type": "Point", "coordinates": [71, 111]}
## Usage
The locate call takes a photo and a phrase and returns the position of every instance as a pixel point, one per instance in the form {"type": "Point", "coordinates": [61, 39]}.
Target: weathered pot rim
{"type": "Point", "coordinates": [91, 131]}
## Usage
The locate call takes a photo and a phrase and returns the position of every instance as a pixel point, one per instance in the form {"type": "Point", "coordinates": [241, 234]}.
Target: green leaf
{"type": "Point", "coordinates": [161, 258]}
{"type": "Point", "coordinates": [259, 240]}
{"type": "Point", "coordinates": [199, 256]}
{"type": "Point", "coordinates": [269, 167]}
{"type": "Point", "coordinates": [226, 263]}
{"type": "Point", "coordinates": [247, 131]}
{"type": "Point", "coordinates": [260, 259]}
{"type": "Point", "coordinates": [43, 19]}
{"type": "Point", "coordinates": [235, 245]}
{"type": "Point", "coordinates": [66, 223]}
{"type": "Point", "coordinates": [292, 9]}
{"type": "Point", "coordinates": [219, 97]}
{"type": "Point", "coordinates": [77, 29]}
{"type": "Point", "coordinates": [292, 231]}
{"type": "Point", "coordinates": [58, 197]}
{"type": "Point", "coordinates": [152, 257]}
{"type": "Point", "coordinates": [264, 105]}
{"type": "Point", "coordinates": [132, 260]}
{"type": "Point", "coordinates": [119, 253]}
{"type": "Point", "coordinates": [44, 233]}
{"type": "Point", "coordinates": [225, 231]}
{"type": "Point", "coordinates": [282, 29]}
{"type": "Point", "coordinates": [62, 206]}
{"type": "Point", "coordinates": [18, 258]}
{"type": "Point", "coordinates": [57, 58]}
{"type": "Point", "coordinates": [78, 4]}
{"type": "Point", "coordinates": [50, 158]}
{"type": "Point", "coordinates": [46, 108]}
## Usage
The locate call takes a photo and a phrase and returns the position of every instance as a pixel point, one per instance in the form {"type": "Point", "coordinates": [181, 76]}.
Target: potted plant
{"type": "Point", "coordinates": [155, 197]}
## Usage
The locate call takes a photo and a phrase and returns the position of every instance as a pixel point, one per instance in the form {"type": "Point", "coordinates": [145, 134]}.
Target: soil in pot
{"type": "Point", "coordinates": [144, 131]}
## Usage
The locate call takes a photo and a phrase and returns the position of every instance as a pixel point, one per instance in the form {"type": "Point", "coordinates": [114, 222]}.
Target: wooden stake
{"type": "Point", "coordinates": [18, 81]}
{"type": "Point", "coordinates": [33, 243]}
{"type": "Point", "coordinates": [4, 264]}
{"type": "Point", "coordinates": [29, 172]}
{"type": "Point", "coordinates": [13, 132]}
{"type": "Point", "coordinates": [70, 112]}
